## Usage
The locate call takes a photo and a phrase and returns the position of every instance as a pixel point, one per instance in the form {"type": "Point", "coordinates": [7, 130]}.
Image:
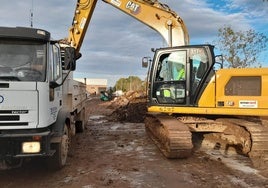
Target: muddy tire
{"type": "Point", "coordinates": [58, 160]}
{"type": "Point", "coordinates": [80, 126]}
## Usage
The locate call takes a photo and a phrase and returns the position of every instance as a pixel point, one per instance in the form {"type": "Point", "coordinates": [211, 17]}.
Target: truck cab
{"type": "Point", "coordinates": [32, 99]}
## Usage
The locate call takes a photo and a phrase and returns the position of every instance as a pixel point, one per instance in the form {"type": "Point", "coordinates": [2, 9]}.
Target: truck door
{"type": "Point", "coordinates": [55, 94]}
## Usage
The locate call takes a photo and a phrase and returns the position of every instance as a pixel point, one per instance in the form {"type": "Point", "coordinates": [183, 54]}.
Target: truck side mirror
{"type": "Point", "coordinates": [69, 59]}
{"type": "Point", "coordinates": [54, 84]}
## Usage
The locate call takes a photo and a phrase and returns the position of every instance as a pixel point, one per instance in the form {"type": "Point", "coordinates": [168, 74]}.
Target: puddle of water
{"type": "Point", "coordinates": [237, 181]}
{"type": "Point", "coordinates": [100, 122]}
{"type": "Point", "coordinates": [139, 148]}
{"type": "Point", "coordinates": [236, 162]}
{"type": "Point", "coordinates": [96, 117]}
{"type": "Point", "coordinates": [115, 127]}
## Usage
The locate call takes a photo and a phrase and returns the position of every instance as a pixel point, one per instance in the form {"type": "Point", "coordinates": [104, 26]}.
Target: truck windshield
{"type": "Point", "coordinates": [22, 60]}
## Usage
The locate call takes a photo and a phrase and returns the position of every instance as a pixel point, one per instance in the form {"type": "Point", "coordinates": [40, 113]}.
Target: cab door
{"type": "Point", "coordinates": [169, 80]}
{"type": "Point", "coordinates": [179, 75]}
{"type": "Point", "coordinates": [55, 75]}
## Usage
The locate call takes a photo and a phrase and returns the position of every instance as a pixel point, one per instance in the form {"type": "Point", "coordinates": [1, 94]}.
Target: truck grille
{"type": "Point", "coordinates": [11, 117]}
{"type": "Point", "coordinates": [14, 124]}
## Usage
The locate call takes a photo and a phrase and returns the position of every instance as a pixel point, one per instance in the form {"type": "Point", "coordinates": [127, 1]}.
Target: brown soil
{"type": "Point", "coordinates": [130, 107]}
{"type": "Point", "coordinates": [114, 151]}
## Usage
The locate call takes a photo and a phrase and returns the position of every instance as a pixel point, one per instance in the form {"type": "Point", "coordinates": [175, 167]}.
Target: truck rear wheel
{"type": "Point", "coordinates": [80, 122]}
{"type": "Point", "coordinates": [59, 158]}
{"type": "Point", "coordinates": [80, 126]}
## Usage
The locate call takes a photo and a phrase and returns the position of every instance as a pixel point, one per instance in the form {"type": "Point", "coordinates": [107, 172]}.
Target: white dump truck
{"type": "Point", "coordinates": [41, 106]}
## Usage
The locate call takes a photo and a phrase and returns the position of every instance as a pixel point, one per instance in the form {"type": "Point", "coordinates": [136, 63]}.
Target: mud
{"type": "Point", "coordinates": [113, 153]}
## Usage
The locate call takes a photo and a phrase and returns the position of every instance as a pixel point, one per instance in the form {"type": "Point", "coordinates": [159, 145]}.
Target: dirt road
{"type": "Point", "coordinates": [119, 154]}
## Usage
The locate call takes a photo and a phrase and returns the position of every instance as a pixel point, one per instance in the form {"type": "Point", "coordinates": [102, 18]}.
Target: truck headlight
{"type": "Point", "coordinates": [31, 147]}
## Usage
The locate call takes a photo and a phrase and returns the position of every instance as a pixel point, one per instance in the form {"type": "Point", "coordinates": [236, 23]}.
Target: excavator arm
{"type": "Point", "coordinates": [157, 16]}
{"type": "Point", "coordinates": [82, 16]}
{"type": "Point", "coordinates": [152, 13]}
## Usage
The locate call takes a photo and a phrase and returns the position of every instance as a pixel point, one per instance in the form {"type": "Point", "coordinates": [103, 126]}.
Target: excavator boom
{"type": "Point", "coordinates": [157, 16]}
{"type": "Point", "coordinates": [154, 14]}
{"type": "Point", "coordinates": [82, 16]}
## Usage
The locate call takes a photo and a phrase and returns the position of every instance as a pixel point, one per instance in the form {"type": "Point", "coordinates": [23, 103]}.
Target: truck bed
{"type": "Point", "coordinates": [77, 94]}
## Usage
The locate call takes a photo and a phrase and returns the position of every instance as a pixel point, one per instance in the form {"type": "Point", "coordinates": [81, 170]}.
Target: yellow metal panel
{"type": "Point", "coordinates": [231, 105]}
{"type": "Point", "coordinates": [265, 85]}
{"type": "Point", "coordinates": [208, 97]}
{"type": "Point", "coordinates": [224, 75]}
{"type": "Point", "coordinates": [210, 111]}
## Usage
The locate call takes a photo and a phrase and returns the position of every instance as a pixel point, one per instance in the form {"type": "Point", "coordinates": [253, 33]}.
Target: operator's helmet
{"type": "Point", "coordinates": [178, 58]}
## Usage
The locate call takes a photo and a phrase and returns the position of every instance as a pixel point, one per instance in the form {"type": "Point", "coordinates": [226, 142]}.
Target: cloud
{"type": "Point", "coordinates": [256, 8]}
{"type": "Point", "coordinates": [256, 12]}
{"type": "Point", "coordinates": [204, 18]}
{"type": "Point", "coordinates": [115, 42]}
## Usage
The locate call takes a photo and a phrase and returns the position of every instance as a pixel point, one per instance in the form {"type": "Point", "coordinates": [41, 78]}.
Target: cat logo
{"type": "Point", "coordinates": [133, 7]}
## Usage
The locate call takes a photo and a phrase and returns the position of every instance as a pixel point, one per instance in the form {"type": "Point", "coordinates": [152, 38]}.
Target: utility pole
{"type": "Point", "coordinates": [31, 15]}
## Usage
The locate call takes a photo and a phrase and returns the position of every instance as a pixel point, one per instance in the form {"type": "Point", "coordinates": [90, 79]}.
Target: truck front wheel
{"type": "Point", "coordinates": [58, 160]}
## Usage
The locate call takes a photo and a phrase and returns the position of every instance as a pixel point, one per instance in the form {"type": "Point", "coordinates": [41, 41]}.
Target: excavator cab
{"type": "Point", "coordinates": [179, 74]}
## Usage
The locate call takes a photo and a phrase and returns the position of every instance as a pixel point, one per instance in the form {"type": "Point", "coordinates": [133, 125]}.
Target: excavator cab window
{"type": "Point", "coordinates": [179, 74]}
{"type": "Point", "coordinates": [199, 66]}
{"type": "Point", "coordinates": [170, 78]}
{"type": "Point", "coordinates": [172, 66]}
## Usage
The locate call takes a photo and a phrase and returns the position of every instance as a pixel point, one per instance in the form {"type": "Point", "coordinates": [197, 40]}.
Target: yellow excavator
{"type": "Point", "coordinates": [187, 92]}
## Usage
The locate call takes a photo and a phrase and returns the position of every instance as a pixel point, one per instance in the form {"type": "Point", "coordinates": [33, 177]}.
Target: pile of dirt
{"type": "Point", "coordinates": [130, 107]}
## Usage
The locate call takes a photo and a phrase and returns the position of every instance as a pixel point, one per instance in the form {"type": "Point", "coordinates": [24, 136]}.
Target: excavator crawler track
{"type": "Point", "coordinates": [172, 137]}
{"type": "Point", "coordinates": [259, 141]}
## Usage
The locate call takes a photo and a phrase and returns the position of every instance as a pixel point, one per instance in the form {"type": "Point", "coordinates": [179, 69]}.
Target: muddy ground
{"type": "Point", "coordinates": [112, 152]}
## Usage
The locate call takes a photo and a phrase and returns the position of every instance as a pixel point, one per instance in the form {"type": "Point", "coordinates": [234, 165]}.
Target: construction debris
{"type": "Point", "coordinates": [130, 107]}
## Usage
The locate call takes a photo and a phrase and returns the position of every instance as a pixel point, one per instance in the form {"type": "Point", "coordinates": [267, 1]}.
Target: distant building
{"type": "Point", "coordinates": [94, 86]}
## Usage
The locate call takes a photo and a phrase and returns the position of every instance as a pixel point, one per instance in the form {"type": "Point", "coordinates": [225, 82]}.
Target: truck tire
{"type": "Point", "coordinates": [58, 160]}
{"type": "Point", "coordinates": [80, 126]}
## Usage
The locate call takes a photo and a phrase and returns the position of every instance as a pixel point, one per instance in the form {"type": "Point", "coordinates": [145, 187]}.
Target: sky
{"type": "Point", "coordinates": [115, 42]}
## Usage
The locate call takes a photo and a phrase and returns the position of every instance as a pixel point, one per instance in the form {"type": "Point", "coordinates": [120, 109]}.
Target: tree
{"type": "Point", "coordinates": [130, 83]}
{"type": "Point", "coordinates": [241, 48]}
